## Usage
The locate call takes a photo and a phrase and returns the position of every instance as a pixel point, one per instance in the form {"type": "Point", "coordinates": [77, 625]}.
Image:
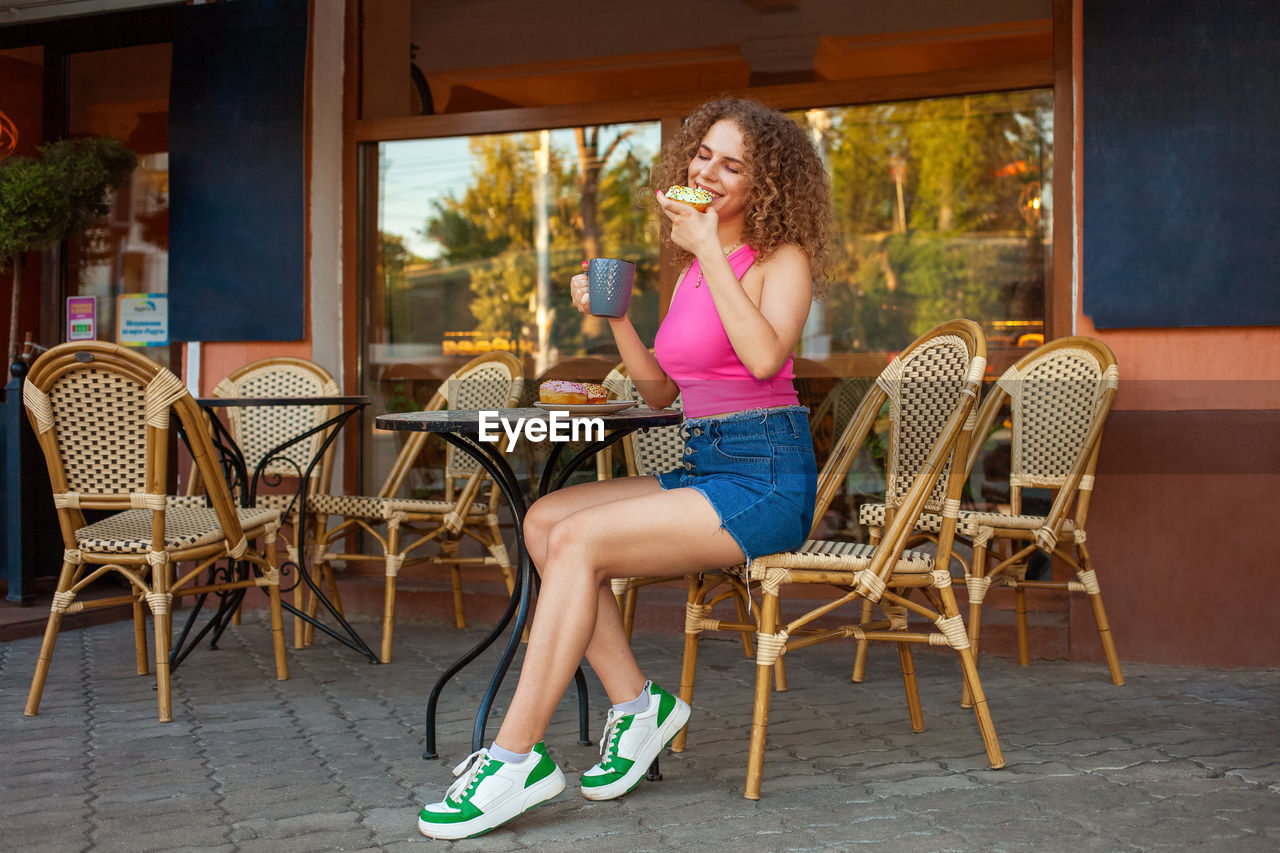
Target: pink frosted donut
{"type": "Point", "coordinates": [562, 392]}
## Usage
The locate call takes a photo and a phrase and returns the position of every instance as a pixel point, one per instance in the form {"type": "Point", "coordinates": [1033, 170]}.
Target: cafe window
{"type": "Point", "coordinates": [475, 241]}
{"type": "Point", "coordinates": [943, 209]}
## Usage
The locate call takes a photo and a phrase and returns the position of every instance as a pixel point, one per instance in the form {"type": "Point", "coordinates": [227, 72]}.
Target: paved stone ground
{"type": "Point", "coordinates": [331, 759]}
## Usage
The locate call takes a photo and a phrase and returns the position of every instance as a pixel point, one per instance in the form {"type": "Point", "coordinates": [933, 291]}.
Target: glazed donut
{"type": "Point", "coordinates": [596, 393]}
{"type": "Point", "coordinates": [562, 392]}
{"type": "Point", "coordinates": [696, 198]}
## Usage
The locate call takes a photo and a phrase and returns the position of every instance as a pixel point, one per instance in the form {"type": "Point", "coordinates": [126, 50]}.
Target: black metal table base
{"type": "Point", "coordinates": [239, 479]}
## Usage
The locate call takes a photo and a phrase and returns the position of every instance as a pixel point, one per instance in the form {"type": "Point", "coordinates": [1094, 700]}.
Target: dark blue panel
{"type": "Point", "coordinates": [236, 171]}
{"type": "Point", "coordinates": [1181, 156]}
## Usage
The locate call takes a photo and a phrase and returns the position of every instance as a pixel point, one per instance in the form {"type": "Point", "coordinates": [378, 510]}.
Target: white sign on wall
{"type": "Point", "coordinates": [142, 319]}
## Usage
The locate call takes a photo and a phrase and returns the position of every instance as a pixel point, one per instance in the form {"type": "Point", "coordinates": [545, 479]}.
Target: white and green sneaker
{"type": "Point", "coordinates": [631, 742]}
{"type": "Point", "coordinates": [489, 792]}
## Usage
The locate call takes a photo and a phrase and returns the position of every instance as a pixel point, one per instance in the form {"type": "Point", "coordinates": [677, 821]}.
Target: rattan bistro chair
{"type": "Point", "coordinates": [489, 381]}
{"type": "Point", "coordinates": [102, 416]}
{"type": "Point", "coordinates": [1058, 396]}
{"type": "Point", "coordinates": [258, 430]}
{"type": "Point", "coordinates": [932, 389]}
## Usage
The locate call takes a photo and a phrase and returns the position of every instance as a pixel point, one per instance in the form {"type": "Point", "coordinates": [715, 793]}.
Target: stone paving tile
{"type": "Point", "coordinates": [331, 759]}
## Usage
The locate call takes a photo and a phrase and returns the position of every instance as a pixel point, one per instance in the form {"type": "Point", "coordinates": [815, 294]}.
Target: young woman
{"type": "Point", "coordinates": [747, 484]}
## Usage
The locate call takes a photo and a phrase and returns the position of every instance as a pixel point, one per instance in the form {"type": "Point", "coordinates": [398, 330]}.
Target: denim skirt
{"type": "Point", "coordinates": [756, 467]}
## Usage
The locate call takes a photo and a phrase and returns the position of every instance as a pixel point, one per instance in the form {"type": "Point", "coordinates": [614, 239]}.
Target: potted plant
{"type": "Point", "coordinates": [46, 200]}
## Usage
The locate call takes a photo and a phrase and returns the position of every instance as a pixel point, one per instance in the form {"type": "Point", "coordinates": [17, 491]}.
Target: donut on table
{"type": "Point", "coordinates": [596, 393]}
{"type": "Point", "coordinates": [562, 392]}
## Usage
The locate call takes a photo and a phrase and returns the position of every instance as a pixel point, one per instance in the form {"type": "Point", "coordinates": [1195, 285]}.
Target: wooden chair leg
{"type": "Point", "coordinates": [300, 590]}
{"type": "Point", "coordinates": [313, 607]}
{"type": "Point", "coordinates": [330, 580]}
{"type": "Point", "coordinates": [629, 611]}
{"type": "Point", "coordinates": [1090, 582]}
{"type": "Point", "coordinates": [969, 668]}
{"type": "Point", "coordinates": [388, 616]}
{"type": "Point", "coordinates": [1020, 618]}
{"type": "Point", "coordinates": [760, 707]}
{"type": "Point", "coordinates": [689, 664]}
{"type": "Point", "coordinates": [394, 560]}
{"type": "Point", "coordinates": [140, 637]}
{"type": "Point", "coordinates": [323, 575]}
{"type": "Point", "coordinates": [448, 554]}
{"type": "Point", "coordinates": [897, 616]}
{"type": "Point", "coordinates": [977, 595]}
{"type": "Point", "coordinates": [162, 621]}
{"type": "Point", "coordinates": [66, 579]}
{"type": "Point", "coordinates": [980, 710]}
{"type": "Point", "coordinates": [455, 578]}
{"type": "Point", "coordinates": [277, 624]}
{"type": "Point", "coordinates": [860, 656]}
{"type": "Point", "coordinates": [914, 709]}
{"type": "Point", "coordinates": [748, 647]}
{"type": "Point", "coordinates": [51, 629]}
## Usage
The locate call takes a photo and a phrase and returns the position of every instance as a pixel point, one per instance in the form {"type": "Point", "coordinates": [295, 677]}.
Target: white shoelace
{"type": "Point", "coordinates": [610, 730]}
{"type": "Point", "coordinates": [467, 772]}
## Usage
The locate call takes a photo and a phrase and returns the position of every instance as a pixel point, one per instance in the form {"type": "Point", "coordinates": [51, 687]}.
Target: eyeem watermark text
{"type": "Point", "coordinates": [557, 426]}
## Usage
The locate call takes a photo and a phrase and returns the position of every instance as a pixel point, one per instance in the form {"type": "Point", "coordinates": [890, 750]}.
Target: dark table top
{"type": "Point", "coordinates": [468, 420]}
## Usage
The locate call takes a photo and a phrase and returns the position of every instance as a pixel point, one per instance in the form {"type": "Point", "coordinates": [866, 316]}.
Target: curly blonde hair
{"type": "Point", "coordinates": [789, 196]}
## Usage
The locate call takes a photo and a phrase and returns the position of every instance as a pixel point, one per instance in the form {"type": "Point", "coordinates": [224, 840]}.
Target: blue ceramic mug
{"type": "Point", "coordinates": [609, 282]}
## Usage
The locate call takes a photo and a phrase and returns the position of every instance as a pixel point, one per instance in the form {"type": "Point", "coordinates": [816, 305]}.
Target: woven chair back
{"type": "Point", "coordinates": [845, 398]}
{"type": "Point", "coordinates": [490, 381]}
{"type": "Point", "coordinates": [922, 386]}
{"type": "Point", "coordinates": [102, 414]}
{"type": "Point", "coordinates": [259, 429]}
{"type": "Point", "coordinates": [1056, 394]}
{"type": "Point", "coordinates": [922, 392]}
{"type": "Point", "coordinates": [653, 451]}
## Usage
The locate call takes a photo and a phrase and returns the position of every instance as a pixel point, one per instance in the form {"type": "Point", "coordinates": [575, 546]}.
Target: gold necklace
{"type": "Point", "coordinates": [727, 252]}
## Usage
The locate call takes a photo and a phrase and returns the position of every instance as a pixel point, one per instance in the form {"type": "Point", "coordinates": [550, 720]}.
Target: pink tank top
{"type": "Point", "coordinates": [694, 350]}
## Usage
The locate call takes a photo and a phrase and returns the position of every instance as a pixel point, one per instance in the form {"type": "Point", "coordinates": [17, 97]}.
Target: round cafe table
{"type": "Point", "coordinates": [461, 428]}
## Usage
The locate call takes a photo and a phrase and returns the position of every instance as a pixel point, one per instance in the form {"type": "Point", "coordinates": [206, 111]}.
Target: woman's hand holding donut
{"type": "Point", "coordinates": [690, 230]}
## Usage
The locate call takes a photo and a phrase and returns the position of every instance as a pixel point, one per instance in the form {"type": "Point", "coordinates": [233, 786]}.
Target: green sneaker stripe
{"type": "Point", "coordinates": [466, 811]}
{"type": "Point", "coordinates": [666, 704]}
{"type": "Point", "coordinates": [617, 768]}
{"type": "Point", "coordinates": [544, 768]}
{"type": "Point", "coordinates": [623, 725]}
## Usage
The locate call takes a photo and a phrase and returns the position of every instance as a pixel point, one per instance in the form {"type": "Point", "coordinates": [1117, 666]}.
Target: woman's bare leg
{"type": "Point", "coordinates": [614, 665]}
{"type": "Point", "coordinates": [595, 532]}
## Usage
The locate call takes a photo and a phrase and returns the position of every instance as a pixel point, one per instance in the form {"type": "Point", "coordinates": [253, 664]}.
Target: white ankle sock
{"type": "Point", "coordinates": [506, 756]}
{"type": "Point", "coordinates": [638, 705]}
